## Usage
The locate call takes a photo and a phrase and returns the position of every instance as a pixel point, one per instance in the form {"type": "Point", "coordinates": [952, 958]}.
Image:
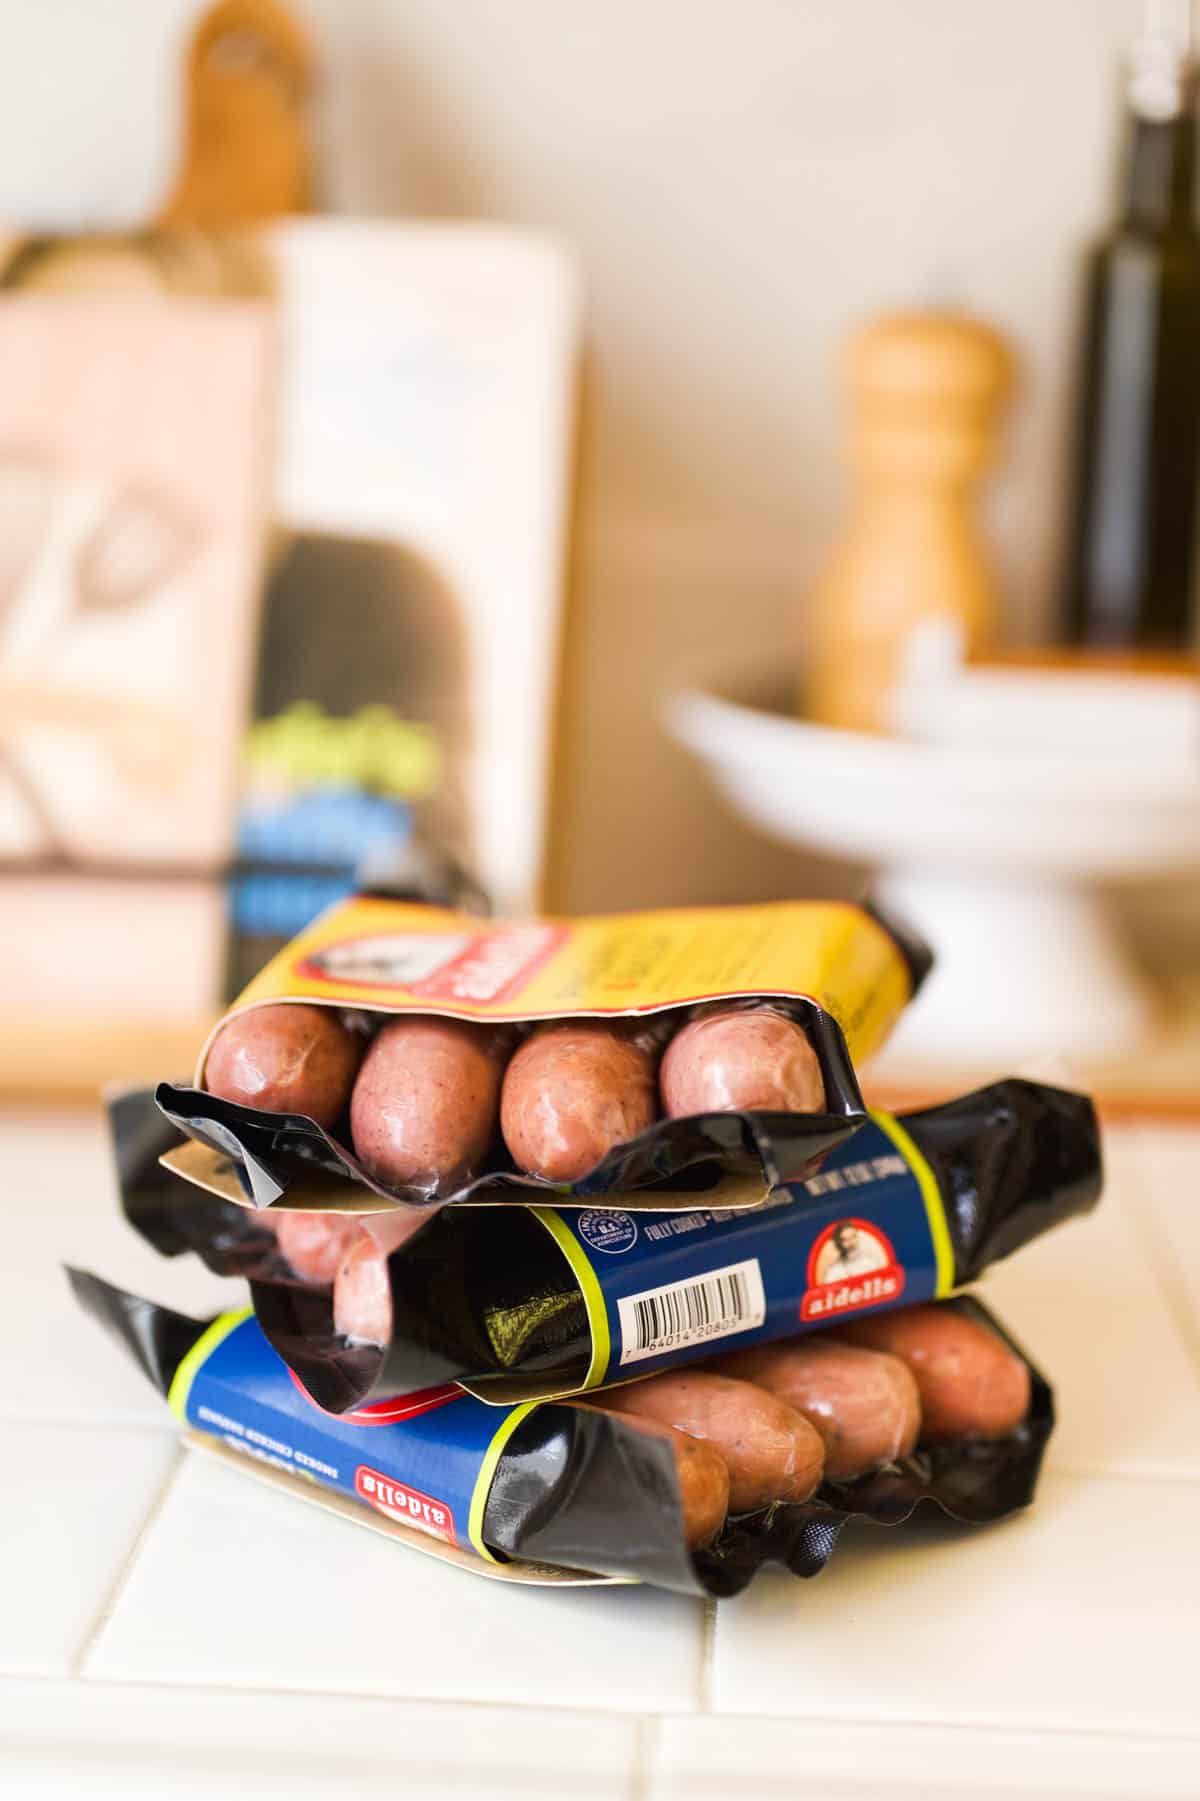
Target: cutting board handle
{"type": "Point", "coordinates": [247, 154]}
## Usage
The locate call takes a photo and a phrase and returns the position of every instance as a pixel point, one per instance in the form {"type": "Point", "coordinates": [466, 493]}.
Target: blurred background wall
{"type": "Point", "coordinates": [740, 183]}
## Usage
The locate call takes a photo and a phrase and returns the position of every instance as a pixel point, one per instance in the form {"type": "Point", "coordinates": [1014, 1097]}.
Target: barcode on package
{"type": "Point", "coordinates": [687, 1313]}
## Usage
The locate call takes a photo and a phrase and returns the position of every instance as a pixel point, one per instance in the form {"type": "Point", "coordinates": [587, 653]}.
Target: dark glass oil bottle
{"type": "Point", "coordinates": [1130, 566]}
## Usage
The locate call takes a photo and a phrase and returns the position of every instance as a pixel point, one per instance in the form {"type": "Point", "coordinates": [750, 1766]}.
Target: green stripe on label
{"type": "Point", "coordinates": [931, 1194]}
{"type": "Point", "coordinates": [487, 1469]}
{"type": "Point", "coordinates": [205, 1345]}
{"type": "Point", "coordinates": [593, 1295]}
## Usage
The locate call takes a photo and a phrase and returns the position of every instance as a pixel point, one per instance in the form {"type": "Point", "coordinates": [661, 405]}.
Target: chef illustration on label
{"type": "Point", "coordinates": [852, 1264]}
{"type": "Point", "coordinates": [442, 966]}
{"type": "Point", "coordinates": [850, 1251]}
{"type": "Point", "coordinates": [391, 960]}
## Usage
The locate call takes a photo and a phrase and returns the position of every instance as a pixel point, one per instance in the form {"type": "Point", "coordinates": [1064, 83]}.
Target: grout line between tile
{"type": "Point", "coordinates": [1164, 1270]}
{"type": "Point", "coordinates": [90, 1421]}
{"type": "Point", "coordinates": [972, 1724]}
{"type": "Point", "coordinates": [117, 1588]}
{"type": "Point", "coordinates": [647, 1735]}
{"type": "Point", "coordinates": [650, 1724]}
{"type": "Point", "coordinates": [708, 1652]}
{"type": "Point", "coordinates": [1116, 1472]}
{"type": "Point", "coordinates": [337, 1696]}
{"type": "Point", "coordinates": [350, 1697]}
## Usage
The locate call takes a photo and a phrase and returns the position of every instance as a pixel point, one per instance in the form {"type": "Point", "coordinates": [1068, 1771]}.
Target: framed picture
{"type": "Point", "coordinates": [280, 576]}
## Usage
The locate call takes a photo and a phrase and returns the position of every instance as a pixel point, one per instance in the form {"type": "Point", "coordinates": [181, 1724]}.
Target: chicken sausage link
{"type": "Point", "coordinates": [771, 1451]}
{"type": "Point", "coordinates": [969, 1381]}
{"type": "Point", "coordinates": [741, 1060]}
{"type": "Point", "coordinates": [572, 1092]}
{"type": "Point", "coordinates": [424, 1107]}
{"type": "Point", "coordinates": [864, 1404]}
{"type": "Point", "coordinates": [701, 1473]}
{"type": "Point", "coordinates": [362, 1290]}
{"type": "Point", "coordinates": [315, 1243]}
{"type": "Point", "coordinates": [287, 1058]}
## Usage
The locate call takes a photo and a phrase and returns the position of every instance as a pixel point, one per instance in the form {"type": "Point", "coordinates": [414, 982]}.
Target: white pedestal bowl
{"type": "Point", "coordinates": [998, 854]}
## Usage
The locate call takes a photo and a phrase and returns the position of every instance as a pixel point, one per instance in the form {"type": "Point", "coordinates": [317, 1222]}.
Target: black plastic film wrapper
{"type": "Point", "coordinates": [486, 1296]}
{"type": "Point", "coordinates": [583, 1490]}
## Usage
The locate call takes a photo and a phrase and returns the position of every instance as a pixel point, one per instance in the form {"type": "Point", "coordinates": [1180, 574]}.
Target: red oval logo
{"type": "Point", "coordinates": [851, 1265]}
{"type": "Point", "coordinates": [400, 1502]}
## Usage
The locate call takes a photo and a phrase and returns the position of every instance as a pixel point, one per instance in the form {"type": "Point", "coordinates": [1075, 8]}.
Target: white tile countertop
{"type": "Point", "coordinates": [169, 1628]}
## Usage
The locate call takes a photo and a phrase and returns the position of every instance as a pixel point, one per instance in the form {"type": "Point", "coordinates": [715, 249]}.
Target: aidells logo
{"type": "Point", "coordinates": [306, 747]}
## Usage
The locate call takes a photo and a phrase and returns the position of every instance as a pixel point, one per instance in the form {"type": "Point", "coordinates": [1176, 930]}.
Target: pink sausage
{"type": "Point", "coordinates": [424, 1107]}
{"type": "Point", "coordinates": [700, 1472]}
{"type": "Point", "coordinates": [864, 1404]}
{"type": "Point", "coordinates": [741, 1060]}
{"type": "Point", "coordinates": [362, 1294]}
{"type": "Point", "coordinates": [315, 1243]}
{"type": "Point", "coordinates": [969, 1381]}
{"type": "Point", "coordinates": [572, 1092]}
{"type": "Point", "coordinates": [771, 1451]}
{"type": "Point", "coordinates": [287, 1058]}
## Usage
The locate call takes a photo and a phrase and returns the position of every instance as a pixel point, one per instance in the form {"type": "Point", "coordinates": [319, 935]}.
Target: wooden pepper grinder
{"type": "Point", "coordinates": [927, 393]}
{"type": "Point", "coordinates": [247, 155]}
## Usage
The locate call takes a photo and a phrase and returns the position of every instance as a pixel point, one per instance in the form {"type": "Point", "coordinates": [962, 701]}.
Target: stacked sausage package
{"type": "Point", "coordinates": [574, 1253]}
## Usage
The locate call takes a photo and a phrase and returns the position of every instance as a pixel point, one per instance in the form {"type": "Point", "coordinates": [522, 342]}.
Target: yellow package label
{"type": "Point", "coordinates": [395, 957]}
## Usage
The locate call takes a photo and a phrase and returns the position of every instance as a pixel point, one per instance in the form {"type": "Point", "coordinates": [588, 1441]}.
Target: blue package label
{"type": "Point", "coordinates": [866, 1233]}
{"type": "Point", "coordinates": [276, 904]}
{"type": "Point", "coordinates": [425, 1459]}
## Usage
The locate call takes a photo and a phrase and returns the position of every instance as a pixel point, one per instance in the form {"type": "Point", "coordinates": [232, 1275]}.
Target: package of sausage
{"type": "Point", "coordinates": [692, 1482]}
{"type": "Point", "coordinates": [402, 1056]}
{"type": "Point", "coordinates": [529, 1303]}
